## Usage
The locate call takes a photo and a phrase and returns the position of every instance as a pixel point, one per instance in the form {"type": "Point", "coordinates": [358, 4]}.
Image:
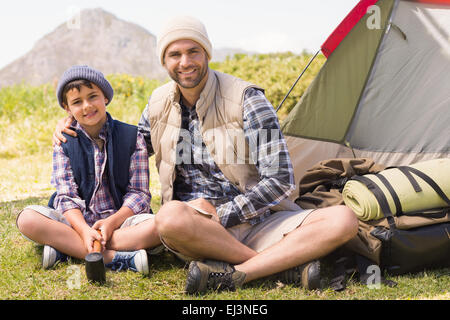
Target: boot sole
{"type": "Point", "coordinates": [193, 279]}
{"type": "Point", "coordinates": [314, 276]}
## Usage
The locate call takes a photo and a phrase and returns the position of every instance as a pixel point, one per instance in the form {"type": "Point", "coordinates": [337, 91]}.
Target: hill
{"type": "Point", "coordinates": [100, 40]}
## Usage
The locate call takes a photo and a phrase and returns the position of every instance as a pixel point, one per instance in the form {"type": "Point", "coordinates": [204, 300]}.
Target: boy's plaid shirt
{"type": "Point", "coordinates": [102, 204]}
{"type": "Point", "coordinates": [201, 177]}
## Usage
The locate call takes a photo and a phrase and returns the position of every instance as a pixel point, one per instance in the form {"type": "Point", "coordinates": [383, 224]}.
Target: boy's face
{"type": "Point", "coordinates": [87, 106]}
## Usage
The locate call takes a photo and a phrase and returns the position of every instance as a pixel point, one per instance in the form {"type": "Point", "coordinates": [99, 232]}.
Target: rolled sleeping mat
{"type": "Point", "coordinates": [411, 198]}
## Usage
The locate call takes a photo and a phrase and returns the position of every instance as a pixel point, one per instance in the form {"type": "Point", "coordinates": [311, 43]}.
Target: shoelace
{"type": "Point", "coordinates": [121, 264]}
{"type": "Point", "coordinates": [118, 266]}
{"type": "Point", "coordinates": [221, 280]}
{"type": "Point", "coordinates": [292, 275]}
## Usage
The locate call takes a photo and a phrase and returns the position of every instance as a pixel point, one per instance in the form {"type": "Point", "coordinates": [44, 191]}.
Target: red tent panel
{"type": "Point", "coordinates": [434, 1]}
{"type": "Point", "coordinates": [352, 19]}
{"type": "Point", "coordinates": [346, 26]}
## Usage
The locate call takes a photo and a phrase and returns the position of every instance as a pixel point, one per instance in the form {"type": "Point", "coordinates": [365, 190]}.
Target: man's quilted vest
{"type": "Point", "coordinates": [220, 114]}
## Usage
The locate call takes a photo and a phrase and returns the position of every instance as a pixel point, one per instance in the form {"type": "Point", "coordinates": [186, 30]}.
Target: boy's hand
{"type": "Point", "coordinates": [89, 236]}
{"type": "Point", "coordinates": [63, 125]}
{"type": "Point", "coordinates": [106, 229]}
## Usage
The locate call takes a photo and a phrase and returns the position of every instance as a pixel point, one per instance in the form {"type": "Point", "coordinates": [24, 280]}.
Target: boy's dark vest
{"type": "Point", "coordinates": [121, 144]}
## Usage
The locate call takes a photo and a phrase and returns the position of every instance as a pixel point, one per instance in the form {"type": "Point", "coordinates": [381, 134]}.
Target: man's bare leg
{"type": "Point", "coordinates": [193, 235]}
{"type": "Point", "coordinates": [196, 236]}
{"type": "Point", "coordinates": [321, 232]}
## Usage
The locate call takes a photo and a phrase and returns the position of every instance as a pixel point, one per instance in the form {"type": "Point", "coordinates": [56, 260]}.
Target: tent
{"type": "Point", "coordinates": [384, 90]}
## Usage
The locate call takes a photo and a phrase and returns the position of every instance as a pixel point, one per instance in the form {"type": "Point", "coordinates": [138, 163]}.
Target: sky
{"type": "Point", "coordinates": [253, 25]}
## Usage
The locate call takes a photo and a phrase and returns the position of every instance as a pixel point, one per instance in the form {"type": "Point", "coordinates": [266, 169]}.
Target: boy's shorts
{"type": "Point", "coordinates": [55, 215]}
{"type": "Point", "coordinates": [262, 235]}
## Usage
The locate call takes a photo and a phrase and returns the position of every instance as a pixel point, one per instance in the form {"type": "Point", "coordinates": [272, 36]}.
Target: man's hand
{"type": "Point", "coordinates": [63, 125]}
{"type": "Point", "coordinates": [205, 206]}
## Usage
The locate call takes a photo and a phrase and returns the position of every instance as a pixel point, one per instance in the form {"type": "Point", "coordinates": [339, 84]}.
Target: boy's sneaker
{"type": "Point", "coordinates": [51, 256]}
{"type": "Point", "coordinates": [306, 275]}
{"type": "Point", "coordinates": [212, 275]}
{"type": "Point", "coordinates": [136, 261]}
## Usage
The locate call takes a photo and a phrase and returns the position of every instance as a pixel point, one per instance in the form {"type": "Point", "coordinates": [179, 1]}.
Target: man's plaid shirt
{"type": "Point", "coordinates": [102, 204]}
{"type": "Point", "coordinates": [200, 177]}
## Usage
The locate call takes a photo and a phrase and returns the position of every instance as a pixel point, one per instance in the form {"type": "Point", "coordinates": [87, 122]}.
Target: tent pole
{"type": "Point", "coordinates": [295, 83]}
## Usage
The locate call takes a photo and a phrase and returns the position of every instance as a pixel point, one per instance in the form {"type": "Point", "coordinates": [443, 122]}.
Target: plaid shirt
{"type": "Point", "coordinates": [102, 204]}
{"type": "Point", "coordinates": [201, 177]}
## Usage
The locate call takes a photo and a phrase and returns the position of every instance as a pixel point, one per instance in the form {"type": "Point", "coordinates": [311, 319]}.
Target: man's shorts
{"type": "Point", "coordinates": [55, 215]}
{"type": "Point", "coordinates": [264, 234]}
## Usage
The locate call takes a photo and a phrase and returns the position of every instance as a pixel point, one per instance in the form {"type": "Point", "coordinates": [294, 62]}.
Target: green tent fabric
{"type": "Point", "coordinates": [363, 202]}
{"type": "Point", "coordinates": [339, 85]}
{"type": "Point", "coordinates": [382, 92]}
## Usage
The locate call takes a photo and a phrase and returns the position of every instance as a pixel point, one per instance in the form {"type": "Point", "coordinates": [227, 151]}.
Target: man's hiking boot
{"type": "Point", "coordinates": [306, 275]}
{"type": "Point", "coordinates": [212, 275]}
{"type": "Point", "coordinates": [51, 256]}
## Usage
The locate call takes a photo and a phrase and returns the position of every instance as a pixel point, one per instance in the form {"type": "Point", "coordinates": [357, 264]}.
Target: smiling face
{"type": "Point", "coordinates": [88, 106]}
{"type": "Point", "coordinates": [187, 63]}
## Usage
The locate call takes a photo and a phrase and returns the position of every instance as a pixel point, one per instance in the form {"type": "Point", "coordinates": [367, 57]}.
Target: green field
{"type": "Point", "coordinates": [28, 116]}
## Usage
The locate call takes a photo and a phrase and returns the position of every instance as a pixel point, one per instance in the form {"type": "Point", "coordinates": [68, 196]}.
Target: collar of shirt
{"type": "Point", "coordinates": [186, 111]}
{"type": "Point", "coordinates": [102, 135]}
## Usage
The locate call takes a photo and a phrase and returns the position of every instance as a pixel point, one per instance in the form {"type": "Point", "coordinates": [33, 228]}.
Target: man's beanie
{"type": "Point", "coordinates": [86, 73]}
{"type": "Point", "coordinates": [181, 28]}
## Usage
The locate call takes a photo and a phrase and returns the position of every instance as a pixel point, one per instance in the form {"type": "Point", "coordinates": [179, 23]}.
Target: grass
{"type": "Point", "coordinates": [25, 181]}
{"type": "Point", "coordinates": [27, 118]}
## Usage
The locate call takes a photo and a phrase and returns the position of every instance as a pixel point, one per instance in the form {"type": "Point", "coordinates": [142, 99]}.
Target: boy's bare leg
{"type": "Point", "coordinates": [321, 232]}
{"type": "Point", "coordinates": [50, 232]}
{"type": "Point", "coordinates": [65, 239]}
{"type": "Point", "coordinates": [193, 235]}
{"type": "Point", "coordinates": [140, 236]}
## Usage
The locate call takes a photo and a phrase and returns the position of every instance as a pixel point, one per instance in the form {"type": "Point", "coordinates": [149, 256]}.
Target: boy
{"type": "Point", "coordinates": [101, 179]}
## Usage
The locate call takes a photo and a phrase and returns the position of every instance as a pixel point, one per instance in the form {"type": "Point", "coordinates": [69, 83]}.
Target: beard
{"type": "Point", "coordinates": [191, 81]}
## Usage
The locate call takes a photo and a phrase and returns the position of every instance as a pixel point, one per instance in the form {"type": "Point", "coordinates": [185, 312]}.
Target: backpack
{"type": "Point", "coordinates": [406, 242]}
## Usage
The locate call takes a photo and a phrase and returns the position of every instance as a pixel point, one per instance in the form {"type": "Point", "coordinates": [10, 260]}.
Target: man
{"type": "Point", "coordinates": [226, 174]}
